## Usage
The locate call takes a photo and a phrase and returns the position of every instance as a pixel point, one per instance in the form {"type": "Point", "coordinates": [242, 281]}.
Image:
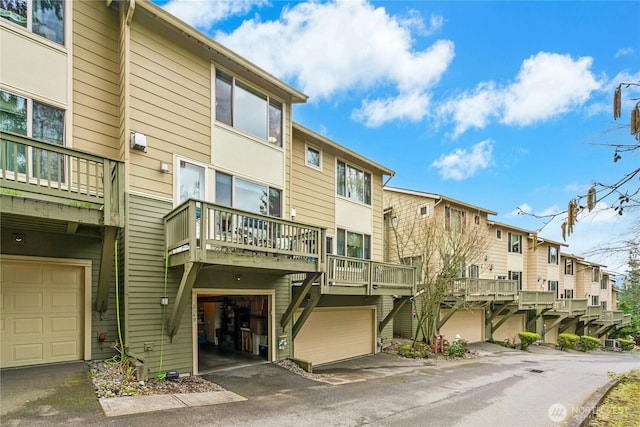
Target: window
{"type": "Point", "coordinates": [517, 276]}
{"type": "Point", "coordinates": [568, 293]}
{"type": "Point", "coordinates": [603, 282]}
{"type": "Point", "coordinates": [313, 158]}
{"type": "Point", "coordinates": [247, 195]}
{"type": "Point", "coordinates": [42, 17]}
{"type": "Point", "coordinates": [423, 211]}
{"type": "Point", "coordinates": [498, 234]}
{"type": "Point", "coordinates": [596, 274]}
{"type": "Point", "coordinates": [595, 300]}
{"type": "Point", "coordinates": [246, 109]}
{"type": "Point", "coordinates": [552, 286]}
{"type": "Point", "coordinates": [603, 304]}
{"type": "Point", "coordinates": [454, 219]}
{"type": "Point", "coordinates": [329, 245]}
{"type": "Point", "coordinates": [354, 245]}
{"type": "Point", "coordinates": [553, 255]}
{"type": "Point", "coordinates": [568, 267]}
{"type": "Point", "coordinates": [476, 220]}
{"type": "Point", "coordinates": [191, 181]}
{"type": "Point", "coordinates": [515, 243]}
{"type": "Point", "coordinates": [353, 183]}
{"type": "Point", "coordinates": [43, 122]}
{"type": "Point", "coordinates": [474, 271]}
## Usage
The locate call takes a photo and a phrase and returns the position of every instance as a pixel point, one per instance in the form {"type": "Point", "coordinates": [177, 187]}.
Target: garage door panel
{"type": "Point", "coordinates": [42, 313]}
{"type": "Point", "coordinates": [335, 334]}
{"type": "Point", "coordinates": [23, 327]}
{"type": "Point", "coordinates": [27, 354]}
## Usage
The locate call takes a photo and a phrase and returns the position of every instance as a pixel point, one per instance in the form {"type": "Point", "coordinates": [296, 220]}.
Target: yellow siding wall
{"type": "Point", "coordinates": [96, 119]}
{"type": "Point", "coordinates": [170, 102]}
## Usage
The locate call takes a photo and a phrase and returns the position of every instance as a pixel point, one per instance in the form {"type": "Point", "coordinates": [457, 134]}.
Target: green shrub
{"type": "Point", "coordinates": [527, 338]}
{"type": "Point", "coordinates": [627, 345]}
{"type": "Point", "coordinates": [457, 348]}
{"type": "Point", "coordinates": [415, 351]}
{"type": "Point", "coordinates": [568, 341]}
{"type": "Point", "coordinates": [506, 343]}
{"type": "Point", "coordinates": [588, 343]}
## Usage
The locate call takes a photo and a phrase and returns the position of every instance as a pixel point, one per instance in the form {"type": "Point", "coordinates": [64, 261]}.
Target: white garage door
{"type": "Point", "coordinates": [42, 313]}
{"type": "Point", "coordinates": [331, 334]}
{"type": "Point", "coordinates": [469, 324]}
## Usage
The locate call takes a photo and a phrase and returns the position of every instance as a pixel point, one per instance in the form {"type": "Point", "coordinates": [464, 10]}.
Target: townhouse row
{"type": "Point", "coordinates": [155, 189]}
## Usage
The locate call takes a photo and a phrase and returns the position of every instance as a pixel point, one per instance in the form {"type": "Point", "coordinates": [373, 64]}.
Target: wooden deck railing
{"type": "Point", "coordinates": [199, 227]}
{"type": "Point", "coordinates": [489, 289]}
{"type": "Point", "coordinates": [39, 170]}
{"type": "Point", "coordinates": [570, 305]}
{"type": "Point", "coordinates": [375, 277]}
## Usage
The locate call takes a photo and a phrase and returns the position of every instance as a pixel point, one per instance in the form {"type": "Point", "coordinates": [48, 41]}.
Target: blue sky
{"type": "Point", "coordinates": [504, 105]}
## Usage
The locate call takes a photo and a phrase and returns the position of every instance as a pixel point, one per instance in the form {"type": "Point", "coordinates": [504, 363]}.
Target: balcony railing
{"type": "Point", "coordinates": [204, 232]}
{"type": "Point", "coordinates": [570, 305]}
{"type": "Point", "coordinates": [33, 169]}
{"type": "Point", "coordinates": [534, 299]}
{"type": "Point", "coordinates": [612, 316]}
{"type": "Point", "coordinates": [626, 320]}
{"type": "Point", "coordinates": [593, 312]}
{"type": "Point", "coordinates": [483, 289]}
{"type": "Point", "coordinates": [373, 278]}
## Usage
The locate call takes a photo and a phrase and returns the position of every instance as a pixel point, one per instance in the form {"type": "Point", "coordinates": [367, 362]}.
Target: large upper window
{"type": "Point", "coordinates": [247, 195]}
{"type": "Point", "coordinates": [454, 219]}
{"type": "Point", "coordinates": [39, 121]}
{"type": "Point", "coordinates": [604, 281]}
{"type": "Point", "coordinates": [42, 17]}
{"type": "Point", "coordinates": [353, 183]}
{"type": "Point", "coordinates": [241, 106]}
{"type": "Point", "coordinates": [596, 274]}
{"type": "Point", "coordinates": [354, 245]}
{"type": "Point", "coordinates": [515, 243]}
{"type": "Point", "coordinates": [553, 255]}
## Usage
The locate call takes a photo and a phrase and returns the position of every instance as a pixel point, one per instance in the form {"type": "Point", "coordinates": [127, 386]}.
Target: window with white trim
{"type": "Point", "coordinates": [596, 274]}
{"type": "Point", "coordinates": [552, 255]}
{"type": "Point", "coordinates": [43, 122]}
{"type": "Point", "coordinates": [191, 181]}
{"type": "Point", "coordinates": [552, 286]}
{"type": "Point", "coordinates": [604, 281]}
{"type": "Point", "coordinates": [353, 183]}
{"type": "Point", "coordinates": [42, 17]}
{"type": "Point", "coordinates": [313, 157]}
{"type": "Point", "coordinates": [603, 304]}
{"type": "Point", "coordinates": [515, 243]}
{"type": "Point", "coordinates": [568, 293]}
{"type": "Point", "coordinates": [354, 245]}
{"type": "Point", "coordinates": [476, 219]}
{"type": "Point", "coordinates": [241, 106]}
{"type": "Point", "coordinates": [498, 234]}
{"type": "Point", "coordinates": [423, 210]}
{"type": "Point", "coordinates": [595, 300]}
{"type": "Point", "coordinates": [474, 271]}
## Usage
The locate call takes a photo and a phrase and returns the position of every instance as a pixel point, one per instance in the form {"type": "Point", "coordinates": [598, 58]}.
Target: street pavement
{"type": "Point", "coordinates": [499, 387]}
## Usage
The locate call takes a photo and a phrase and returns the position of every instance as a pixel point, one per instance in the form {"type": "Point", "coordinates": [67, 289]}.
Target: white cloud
{"type": "Point", "coordinates": [462, 164]}
{"type": "Point", "coordinates": [547, 85]}
{"type": "Point", "coordinates": [205, 13]}
{"type": "Point", "coordinates": [334, 47]}
{"type": "Point", "coordinates": [625, 51]}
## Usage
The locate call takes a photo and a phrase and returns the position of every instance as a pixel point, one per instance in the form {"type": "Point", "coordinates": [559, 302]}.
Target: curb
{"type": "Point", "coordinates": [594, 401]}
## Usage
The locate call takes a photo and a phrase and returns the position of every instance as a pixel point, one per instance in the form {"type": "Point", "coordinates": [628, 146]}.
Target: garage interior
{"type": "Point", "coordinates": [232, 331]}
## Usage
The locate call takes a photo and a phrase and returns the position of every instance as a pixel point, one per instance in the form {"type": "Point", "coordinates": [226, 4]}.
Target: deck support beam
{"type": "Point", "coordinates": [295, 302]}
{"type": "Point", "coordinates": [396, 309]}
{"type": "Point", "coordinates": [312, 302]}
{"type": "Point", "coordinates": [191, 270]}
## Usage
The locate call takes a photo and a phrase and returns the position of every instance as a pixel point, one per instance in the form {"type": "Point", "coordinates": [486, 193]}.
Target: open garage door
{"type": "Point", "coordinates": [336, 333]}
{"type": "Point", "coordinates": [42, 319]}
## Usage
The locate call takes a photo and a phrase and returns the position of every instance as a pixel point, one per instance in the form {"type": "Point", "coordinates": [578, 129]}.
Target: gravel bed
{"type": "Point", "coordinates": [110, 381]}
